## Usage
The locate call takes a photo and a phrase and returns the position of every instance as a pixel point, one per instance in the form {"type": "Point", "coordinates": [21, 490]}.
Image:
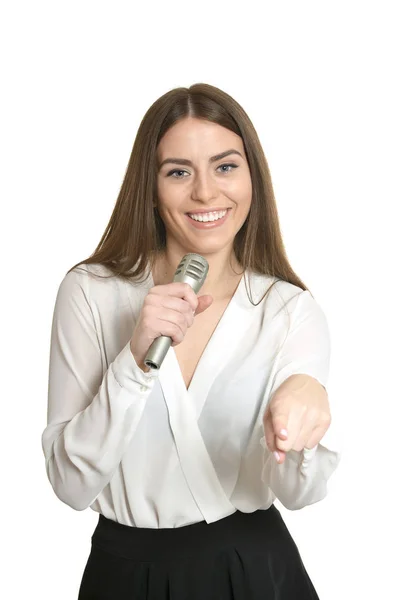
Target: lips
{"type": "Point", "coordinates": [208, 225]}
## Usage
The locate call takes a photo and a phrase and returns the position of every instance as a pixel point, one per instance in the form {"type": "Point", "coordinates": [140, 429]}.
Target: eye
{"type": "Point", "coordinates": [228, 165]}
{"type": "Point", "coordinates": [176, 171]}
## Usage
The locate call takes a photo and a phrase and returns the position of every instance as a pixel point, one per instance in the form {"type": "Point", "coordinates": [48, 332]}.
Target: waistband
{"type": "Point", "coordinates": [147, 544]}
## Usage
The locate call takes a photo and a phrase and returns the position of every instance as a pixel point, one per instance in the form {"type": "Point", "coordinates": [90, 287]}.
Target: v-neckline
{"type": "Point", "coordinates": [221, 344]}
{"type": "Point", "coordinates": [208, 347]}
{"type": "Point", "coordinates": [202, 358]}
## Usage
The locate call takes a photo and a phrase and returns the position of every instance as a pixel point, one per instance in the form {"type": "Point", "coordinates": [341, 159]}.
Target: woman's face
{"type": "Point", "coordinates": [195, 179]}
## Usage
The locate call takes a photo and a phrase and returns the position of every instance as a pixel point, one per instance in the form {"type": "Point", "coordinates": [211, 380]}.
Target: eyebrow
{"type": "Point", "coordinates": [188, 163]}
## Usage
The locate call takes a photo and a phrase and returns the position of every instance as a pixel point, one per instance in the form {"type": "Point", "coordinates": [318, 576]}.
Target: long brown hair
{"type": "Point", "coordinates": [136, 234]}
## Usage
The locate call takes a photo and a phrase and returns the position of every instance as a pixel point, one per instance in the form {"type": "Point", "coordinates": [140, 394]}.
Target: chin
{"type": "Point", "coordinates": [205, 248]}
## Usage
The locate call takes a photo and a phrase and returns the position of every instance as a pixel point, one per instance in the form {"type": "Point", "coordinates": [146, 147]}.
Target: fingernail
{"type": "Point", "coordinates": [284, 432]}
{"type": "Point", "coordinates": [277, 456]}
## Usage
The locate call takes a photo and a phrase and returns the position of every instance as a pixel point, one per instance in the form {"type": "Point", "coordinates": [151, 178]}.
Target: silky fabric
{"type": "Point", "coordinates": [245, 556]}
{"type": "Point", "coordinates": [146, 451]}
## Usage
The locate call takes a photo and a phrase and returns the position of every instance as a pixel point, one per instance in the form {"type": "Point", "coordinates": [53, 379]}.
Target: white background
{"type": "Point", "coordinates": [318, 80]}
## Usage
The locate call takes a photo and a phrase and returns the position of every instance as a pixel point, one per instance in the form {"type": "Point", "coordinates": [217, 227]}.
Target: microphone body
{"type": "Point", "coordinates": [192, 269]}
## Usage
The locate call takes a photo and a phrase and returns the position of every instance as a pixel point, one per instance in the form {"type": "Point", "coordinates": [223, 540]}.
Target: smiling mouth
{"type": "Point", "coordinates": [208, 216]}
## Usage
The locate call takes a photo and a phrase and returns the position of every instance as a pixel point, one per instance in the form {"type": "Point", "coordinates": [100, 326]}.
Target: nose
{"type": "Point", "coordinates": [204, 188]}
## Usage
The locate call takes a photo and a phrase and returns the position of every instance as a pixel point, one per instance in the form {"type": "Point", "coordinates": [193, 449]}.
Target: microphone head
{"type": "Point", "coordinates": [192, 269]}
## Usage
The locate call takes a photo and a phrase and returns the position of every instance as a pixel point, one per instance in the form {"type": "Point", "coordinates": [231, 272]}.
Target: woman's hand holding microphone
{"type": "Point", "coordinates": [167, 310]}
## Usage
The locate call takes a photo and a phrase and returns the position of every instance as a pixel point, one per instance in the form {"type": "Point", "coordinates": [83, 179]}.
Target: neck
{"type": "Point", "coordinates": [223, 275]}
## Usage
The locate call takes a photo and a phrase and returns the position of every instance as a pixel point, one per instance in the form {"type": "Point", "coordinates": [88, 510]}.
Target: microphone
{"type": "Point", "coordinates": [193, 269]}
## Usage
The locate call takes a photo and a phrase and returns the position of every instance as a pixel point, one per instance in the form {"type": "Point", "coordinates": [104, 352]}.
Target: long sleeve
{"type": "Point", "coordinates": [93, 411]}
{"type": "Point", "coordinates": [302, 479]}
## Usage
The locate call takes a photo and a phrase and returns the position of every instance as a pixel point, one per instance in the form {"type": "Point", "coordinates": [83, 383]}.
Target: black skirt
{"type": "Point", "coordinates": [245, 556]}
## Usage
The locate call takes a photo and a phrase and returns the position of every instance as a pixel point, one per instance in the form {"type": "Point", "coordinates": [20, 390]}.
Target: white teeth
{"type": "Point", "coordinates": [211, 216]}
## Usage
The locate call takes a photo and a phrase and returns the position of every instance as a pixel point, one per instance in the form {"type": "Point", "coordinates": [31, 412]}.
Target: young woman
{"type": "Point", "coordinates": [183, 463]}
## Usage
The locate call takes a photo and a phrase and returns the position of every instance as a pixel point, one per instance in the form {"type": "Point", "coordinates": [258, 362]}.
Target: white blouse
{"type": "Point", "coordinates": [142, 449]}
